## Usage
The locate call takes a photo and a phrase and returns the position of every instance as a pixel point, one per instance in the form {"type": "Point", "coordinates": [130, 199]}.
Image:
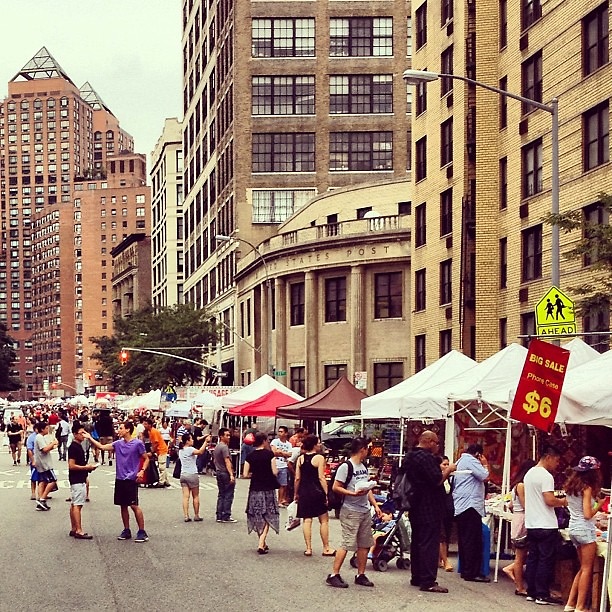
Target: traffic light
{"type": "Point", "coordinates": [54, 386]}
{"type": "Point", "coordinates": [123, 357]}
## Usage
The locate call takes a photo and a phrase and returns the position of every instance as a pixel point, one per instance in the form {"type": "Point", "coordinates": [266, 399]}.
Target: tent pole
{"type": "Point", "coordinates": [449, 433]}
{"type": "Point", "coordinates": [505, 487]}
{"type": "Point", "coordinates": [401, 452]}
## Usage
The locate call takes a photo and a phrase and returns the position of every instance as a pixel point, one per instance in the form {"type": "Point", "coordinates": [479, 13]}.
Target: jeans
{"type": "Point", "coordinates": [225, 498]}
{"type": "Point", "coordinates": [542, 551]}
{"type": "Point", "coordinates": [62, 449]}
{"type": "Point", "coordinates": [201, 461]}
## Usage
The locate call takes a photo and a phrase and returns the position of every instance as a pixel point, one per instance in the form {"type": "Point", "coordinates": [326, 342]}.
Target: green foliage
{"type": "Point", "coordinates": [174, 326]}
{"type": "Point", "coordinates": [596, 245]}
{"type": "Point", "coordinates": [7, 360]}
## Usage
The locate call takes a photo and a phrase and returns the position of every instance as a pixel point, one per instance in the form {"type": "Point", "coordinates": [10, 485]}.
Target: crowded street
{"type": "Point", "coordinates": [191, 565]}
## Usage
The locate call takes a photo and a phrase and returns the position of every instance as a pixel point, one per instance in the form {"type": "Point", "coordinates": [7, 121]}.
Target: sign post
{"type": "Point", "coordinates": [554, 314]}
{"type": "Point", "coordinates": [539, 390]}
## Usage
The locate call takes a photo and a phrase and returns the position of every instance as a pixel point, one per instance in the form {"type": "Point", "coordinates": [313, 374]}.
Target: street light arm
{"type": "Point", "coordinates": [141, 350]}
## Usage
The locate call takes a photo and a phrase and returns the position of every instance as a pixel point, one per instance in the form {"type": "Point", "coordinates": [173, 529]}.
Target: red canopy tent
{"type": "Point", "coordinates": [340, 399]}
{"type": "Point", "coordinates": [264, 406]}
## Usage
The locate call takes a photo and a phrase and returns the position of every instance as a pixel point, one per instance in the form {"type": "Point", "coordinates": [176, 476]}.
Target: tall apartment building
{"type": "Point", "coordinates": [167, 216]}
{"type": "Point", "coordinates": [481, 253]}
{"type": "Point", "coordinates": [71, 185]}
{"type": "Point", "coordinates": [282, 101]}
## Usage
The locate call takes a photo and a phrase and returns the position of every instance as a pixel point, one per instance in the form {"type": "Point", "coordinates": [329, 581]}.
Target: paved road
{"type": "Point", "coordinates": [187, 566]}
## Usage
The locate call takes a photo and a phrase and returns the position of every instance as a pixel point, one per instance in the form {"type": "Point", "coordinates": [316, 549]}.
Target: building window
{"type": "Point", "coordinates": [503, 333]}
{"type": "Point", "coordinates": [421, 25]}
{"type": "Point", "coordinates": [288, 152]}
{"type": "Point", "coordinates": [335, 299]}
{"type": "Point", "coordinates": [283, 95]}
{"type": "Point", "coordinates": [446, 212]}
{"type": "Point", "coordinates": [531, 70]}
{"type": "Point", "coordinates": [409, 37]}
{"type": "Point", "coordinates": [596, 220]}
{"type": "Point", "coordinates": [277, 205]}
{"type": "Point", "coordinates": [531, 253]}
{"type": "Point", "coordinates": [446, 11]}
{"type": "Point", "coordinates": [531, 11]}
{"type": "Point", "coordinates": [446, 142]}
{"type": "Point", "coordinates": [388, 295]}
{"type": "Point", "coordinates": [446, 282]}
{"type": "Point", "coordinates": [361, 94]}
{"type": "Point", "coordinates": [503, 23]}
{"type": "Point", "coordinates": [596, 136]}
{"type": "Point", "coordinates": [420, 289]}
{"type": "Point", "coordinates": [503, 263]}
{"type": "Point", "coordinates": [420, 225]}
{"type": "Point", "coordinates": [503, 104]}
{"type": "Point", "coordinates": [419, 352]}
{"type": "Point", "coordinates": [283, 37]}
{"type": "Point", "coordinates": [528, 326]}
{"type": "Point", "coordinates": [598, 320]}
{"type": "Point", "coordinates": [298, 380]}
{"type": "Point", "coordinates": [359, 151]}
{"type": "Point", "coordinates": [333, 373]}
{"type": "Point", "coordinates": [532, 168]}
{"type": "Point", "coordinates": [595, 39]}
{"type": "Point", "coordinates": [361, 37]}
{"type": "Point", "coordinates": [446, 62]}
{"type": "Point", "coordinates": [503, 183]}
{"type": "Point", "coordinates": [421, 158]}
{"type": "Point", "coordinates": [421, 98]}
{"type": "Point", "coordinates": [387, 375]}
{"type": "Point", "coordinates": [446, 341]}
{"type": "Point", "coordinates": [297, 303]}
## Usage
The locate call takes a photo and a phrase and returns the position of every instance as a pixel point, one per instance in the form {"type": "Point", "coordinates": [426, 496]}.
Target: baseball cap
{"type": "Point", "coordinates": [588, 463]}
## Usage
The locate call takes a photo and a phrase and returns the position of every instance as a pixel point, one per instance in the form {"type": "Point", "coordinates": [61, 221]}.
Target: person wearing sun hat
{"type": "Point", "coordinates": [582, 488]}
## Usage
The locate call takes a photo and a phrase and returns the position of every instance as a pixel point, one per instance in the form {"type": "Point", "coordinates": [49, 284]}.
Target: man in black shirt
{"type": "Point", "coordinates": [424, 473]}
{"type": "Point", "coordinates": [78, 471]}
{"type": "Point", "coordinates": [15, 435]}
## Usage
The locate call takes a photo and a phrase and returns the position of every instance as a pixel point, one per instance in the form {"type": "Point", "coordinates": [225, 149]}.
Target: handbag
{"type": "Point", "coordinates": [292, 520]}
{"type": "Point", "coordinates": [176, 472]}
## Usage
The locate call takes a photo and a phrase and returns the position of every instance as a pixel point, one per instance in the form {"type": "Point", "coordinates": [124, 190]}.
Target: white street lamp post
{"type": "Point", "coordinates": [416, 77]}
{"type": "Point", "coordinates": [224, 238]}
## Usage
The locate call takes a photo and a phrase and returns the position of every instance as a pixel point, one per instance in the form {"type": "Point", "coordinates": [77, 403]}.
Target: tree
{"type": "Point", "coordinates": [7, 359]}
{"type": "Point", "coordinates": [183, 328]}
{"type": "Point", "coordinates": [595, 246]}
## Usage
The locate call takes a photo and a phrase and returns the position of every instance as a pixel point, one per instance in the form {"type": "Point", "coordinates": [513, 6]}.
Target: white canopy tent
{"type": "Point", "coordinates": [398, 401]}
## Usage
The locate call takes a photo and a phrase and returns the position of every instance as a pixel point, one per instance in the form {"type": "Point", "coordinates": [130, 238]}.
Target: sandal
{"type": "Point", "coordinates": [198, 519]}
{"type": "Point", "coordinates": [449, 568]}
{"type": "Point", "coordinates": [520, 593]}
{"type": "Point", "coordinates": [187, 519]}
{"type": "Point", "coordinates": [331, 553]}
{"type": "Point", "coordinates": [434, 589]}
{"type": "Point", "coordinates": [308, 553]}
{"type": "Point", "coordinates": [82, 536]}
{"type": "Point", "coordinates": [263, 551]}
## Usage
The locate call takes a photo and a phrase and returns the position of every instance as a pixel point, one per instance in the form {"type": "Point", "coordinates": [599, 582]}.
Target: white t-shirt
{"type": "Point", "coordinates": [359, 503]}
{"type": "Point", "coordinates": [188, 460]}
{"type": "Point", "coordinates": [281, 462]}
{"type": "Point", "coordinates": [538, 515]}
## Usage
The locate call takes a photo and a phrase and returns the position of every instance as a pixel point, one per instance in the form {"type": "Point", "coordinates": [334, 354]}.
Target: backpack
{"type": "Point", "coordinates": [335, 500]}
{"type": "Point", "coordinates": [403, 492]}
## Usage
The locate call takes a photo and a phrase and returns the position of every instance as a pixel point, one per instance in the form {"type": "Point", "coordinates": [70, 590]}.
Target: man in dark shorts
{"type": "Point", "coordinates": [78, 470]}
{"type": "Point", "coordinates": [43, 462]}
{"type": "Point", "coordinates": [128, 453]}
{"type": "Point", "coordinates": [15, 435]}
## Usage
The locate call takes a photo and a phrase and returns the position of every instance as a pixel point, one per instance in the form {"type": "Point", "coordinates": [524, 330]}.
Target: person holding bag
{"type": "Point", "coordinates": [311, 494]}
{"type": "Point", "coordinates": [262, 506]}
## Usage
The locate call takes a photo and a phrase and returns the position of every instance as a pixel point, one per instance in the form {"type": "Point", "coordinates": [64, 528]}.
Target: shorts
{"type": "Point", "coordinates": [14, 445]}
{"type": "Point", "coordinates": [356, 529]}
{"type": "Point", "coordinates": [47, 476]}
{"type": "Point", "coordinates": [78, 493]}
{"type": "Point", "coordinates": [126, 493]}
{"type": "Point", "coordinates": [580, 535]}
{"type": "Point", "coordinates": [283, 477]}
{"type": "Point", "coordinates": [34, 476]}
{"type": "Point", "coordinates": [190, 480]}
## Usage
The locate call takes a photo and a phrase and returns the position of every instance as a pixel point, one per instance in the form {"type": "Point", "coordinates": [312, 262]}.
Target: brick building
{"type": "Point", "coordinates": [71, 187]}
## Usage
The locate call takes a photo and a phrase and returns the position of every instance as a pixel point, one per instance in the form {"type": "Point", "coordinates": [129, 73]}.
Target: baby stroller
{"type": "Point", "coordinates": [391, 539]}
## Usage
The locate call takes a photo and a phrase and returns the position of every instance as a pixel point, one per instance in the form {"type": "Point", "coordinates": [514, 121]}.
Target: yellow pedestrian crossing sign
{"type": "Point", "coordinates": [554, 314]}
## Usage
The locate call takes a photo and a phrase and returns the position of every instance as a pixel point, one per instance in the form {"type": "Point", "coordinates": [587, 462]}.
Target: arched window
{"type": "Point", "coordinates": [38, 104]}
{"type": "Point", "coordinates": [25, 105]}
{"type": "Point", "coordinates": [98, 135]}
{"type": "Point", "coordinates": [64, 101]}
{"type": "Point", "coordinates": [51, 103]}
{"type": "Point", "coordinates": [110, 135]}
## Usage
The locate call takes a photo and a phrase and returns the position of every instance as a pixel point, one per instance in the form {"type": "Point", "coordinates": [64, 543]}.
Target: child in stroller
{"type": "Point", "coordinates": [391, 535]}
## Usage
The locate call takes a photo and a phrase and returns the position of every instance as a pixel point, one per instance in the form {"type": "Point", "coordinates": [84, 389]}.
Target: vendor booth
{"type": "Point", "coordinates": [255, 390]}
{"type": "Point", "coordinates": [264, 406]}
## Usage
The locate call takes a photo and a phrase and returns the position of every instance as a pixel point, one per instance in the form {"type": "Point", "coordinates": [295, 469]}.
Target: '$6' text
{"type": "Point", "coordinates": [533, 403]}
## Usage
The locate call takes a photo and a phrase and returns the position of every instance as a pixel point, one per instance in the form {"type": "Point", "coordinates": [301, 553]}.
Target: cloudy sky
{"type": "Point", "coordinates": [129, 50]}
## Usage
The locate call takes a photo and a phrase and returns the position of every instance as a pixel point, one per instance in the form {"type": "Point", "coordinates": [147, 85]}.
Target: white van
{"type": "Point", "coordinates": [10, 412]}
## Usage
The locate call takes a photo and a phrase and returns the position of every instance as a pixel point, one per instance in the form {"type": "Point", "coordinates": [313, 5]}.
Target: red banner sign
{"type": "Point", "coordinates": [537, 397]}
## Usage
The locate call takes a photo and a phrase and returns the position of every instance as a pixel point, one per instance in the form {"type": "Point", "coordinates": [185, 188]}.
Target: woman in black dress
{"type": "Point", "coordinates": [262, 506]}
{"type": "Point", "coordinates": [311, 494]}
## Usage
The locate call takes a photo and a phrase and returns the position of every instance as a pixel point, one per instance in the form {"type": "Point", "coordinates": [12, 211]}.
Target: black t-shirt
{"type": "Point", "coordinates": [76, 452]}
{"type": "Point", "coordinates": [197, 433]}
{"type": "Point", "coordinates": [105, 427]}
{"type": "Point", "coordinates": [14, 432]}
{"type": "Point", "coordinates": [262, 477]}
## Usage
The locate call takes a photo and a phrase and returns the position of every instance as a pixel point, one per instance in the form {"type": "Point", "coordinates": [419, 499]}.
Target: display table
{"type": "Point", "coordinates": [598, 568]}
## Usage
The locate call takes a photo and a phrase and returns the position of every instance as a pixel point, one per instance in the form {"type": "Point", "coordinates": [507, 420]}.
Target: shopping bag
{"type": "Point", "coordinates": [292, 520]}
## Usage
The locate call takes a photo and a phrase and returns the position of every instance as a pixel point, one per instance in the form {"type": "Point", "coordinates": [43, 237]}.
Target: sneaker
{"type": "Point", "coordinates": [219, 521]}
{"type": "Point", "coordinates": [126, 534]}
{"type": "Point", "coordinates": [229, 520]}
{"type": "Point", "coordinates": [529, 598]}
{"type": "Point", "coordinates": [549, 601]}
{"type": "Point", "coordinates": [363, 580]}
{"type": "Point", "coordinates": [141, 536]}
{"type": "Point", "coordinates": [42, 506]}
{"type": "Point", "coordinates": [110, 462]}
{"type": "Point", "coordinates": [336, 581]}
